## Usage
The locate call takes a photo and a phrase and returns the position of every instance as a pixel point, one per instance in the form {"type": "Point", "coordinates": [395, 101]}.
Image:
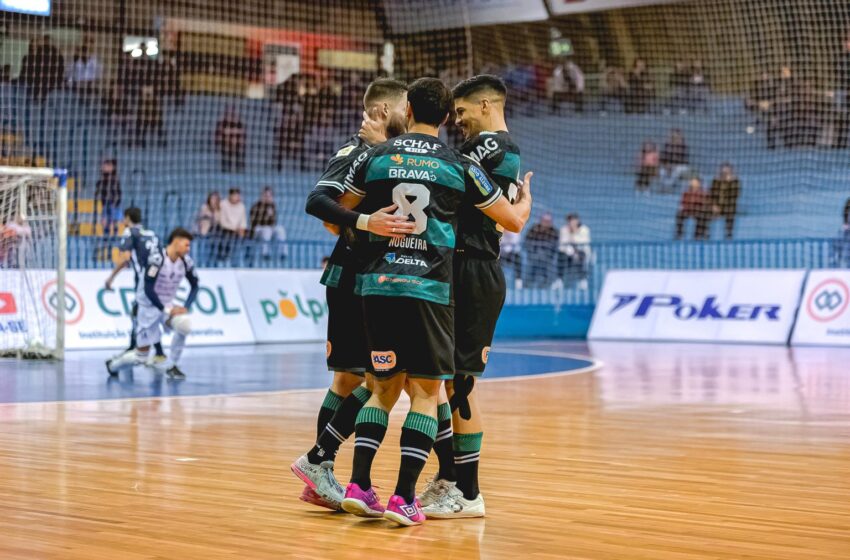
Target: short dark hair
{"type": "Point", "coordinates": [573, 216]}
{"type": "Point", "coordinates": [482, 83]}
{"type": "Point", "coordinates": [430, 100]}
{"type": "Point", "coordinates": [133, 214]}
{"type": "Point", "coordinates": [179, 233]}
{"type": "Point", "coordinates": [383, 89]}
{"type": "Point", "coordinates": [234, 190]}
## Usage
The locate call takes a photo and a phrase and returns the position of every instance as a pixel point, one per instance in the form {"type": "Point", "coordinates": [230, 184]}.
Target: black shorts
{"type": "Point", "coordinates": [409, 335]}
{"type": "Point", "coordinates": [346, 348]}
{"type": "Point", "coordinates": [479, 296]}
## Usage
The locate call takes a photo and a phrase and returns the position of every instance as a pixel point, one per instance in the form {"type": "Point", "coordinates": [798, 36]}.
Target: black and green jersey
{"type": "Point", "coordinates": [498, 155]}
{"type": "Point", "coordinates": [342, 262]}
{"type": "Point", "coordinates": [430, 183]}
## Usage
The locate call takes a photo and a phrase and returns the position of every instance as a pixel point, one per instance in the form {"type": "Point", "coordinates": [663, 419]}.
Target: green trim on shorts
{"type": "Point", "coordinates": [331, 276]}
{"type": "Point", "coordinates": [470, 373]}
{"type": "Point", "coordinates": [467, 443]}
{"type": "Point", "coordinates": [421, 423]}
{"type": "Point", "coordinates": [444, 412]}
{"type": "Point", "coordinates": [332, 401]}
{"type": "Point", "coordinates": [372, 415]}
{"type": "Point", "coordinates": [358, 371]}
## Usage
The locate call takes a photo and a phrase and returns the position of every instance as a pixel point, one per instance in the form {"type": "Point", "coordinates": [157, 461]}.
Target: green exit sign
{"type": "Point", "coordinates": [560, 47]}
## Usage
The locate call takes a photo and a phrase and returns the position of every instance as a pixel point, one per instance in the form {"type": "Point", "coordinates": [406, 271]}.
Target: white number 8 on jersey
{"type": "Point", "coordinates": [421, 197]}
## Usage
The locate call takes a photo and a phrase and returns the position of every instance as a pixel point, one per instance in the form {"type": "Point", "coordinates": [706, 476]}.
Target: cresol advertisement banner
{"type": "Point", "coordinates": [824, 316]}
{"type": "Point", "coordinates": [98, 318]}
{"type": "Point", "coordinates": [561, 7]}
{"type": "Point", "coordinates": [412, 16]}
{"type": "Point", "coordinates": [754, 306]}
{"type": "Point", "coordinates": [285, 305]}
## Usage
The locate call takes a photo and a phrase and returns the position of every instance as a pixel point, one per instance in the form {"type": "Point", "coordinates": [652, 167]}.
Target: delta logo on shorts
{"type": "Point", "coordinates": [828, 300]}
{"type": "Point", "coordinates": [7, 303]}
{"type": "Point", "coordinates": [383, 361]}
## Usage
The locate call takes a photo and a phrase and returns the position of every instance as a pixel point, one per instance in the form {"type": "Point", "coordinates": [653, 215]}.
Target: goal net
{"type": "Point", "coordinates": [33, 241]}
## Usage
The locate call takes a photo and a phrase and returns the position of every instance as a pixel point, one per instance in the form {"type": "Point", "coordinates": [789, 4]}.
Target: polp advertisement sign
{"type": "Point", "coordinates": [285, 305]}
{"type": "Point", "coordinates": [99, 318]}
{"type": "Point", "coordinates": [824, 316]}
{"type": "Point", "coordinates": [754, 306]}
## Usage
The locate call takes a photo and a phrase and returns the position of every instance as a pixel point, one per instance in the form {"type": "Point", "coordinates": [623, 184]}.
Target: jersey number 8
{"type": "Point", "coordinates": [412, 199]}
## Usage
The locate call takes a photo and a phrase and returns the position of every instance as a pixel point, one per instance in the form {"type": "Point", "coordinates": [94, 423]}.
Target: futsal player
{"type": "Point", "coordinates": [135, 246]}
{"type": "Point", "coordinates": [165, 270]}
{"type": "Point", "coordinates": [406, 286]}
{"type": "Point", "coordinates": [479, 285]}
{"type": "Point", "coordinates": [347, 353]}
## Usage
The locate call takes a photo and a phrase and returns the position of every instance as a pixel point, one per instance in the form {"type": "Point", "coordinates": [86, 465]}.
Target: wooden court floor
{"type": "Point", "coordinates": [666, 452]}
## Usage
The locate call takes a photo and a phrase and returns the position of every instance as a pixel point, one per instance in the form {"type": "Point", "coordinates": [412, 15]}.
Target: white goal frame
{"type": "Point", "coordinates": [58, 182]}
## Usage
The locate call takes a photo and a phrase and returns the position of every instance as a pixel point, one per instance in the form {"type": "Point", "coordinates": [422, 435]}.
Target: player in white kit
{"type": "Point", "coordinates": [165, 270]}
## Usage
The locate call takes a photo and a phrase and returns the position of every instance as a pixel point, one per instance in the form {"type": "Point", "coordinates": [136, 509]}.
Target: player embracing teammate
{"type": "Point", "coordinates": [457, 206]}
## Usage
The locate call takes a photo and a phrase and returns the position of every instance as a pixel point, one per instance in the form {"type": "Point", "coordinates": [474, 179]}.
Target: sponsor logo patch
{"type": "Point", "coordinates": [383, 361]}
{"type": "Point", "coordinates": [345, 151]}
{"type": "Point", "coordinates": [828, 300]}
{"type": "Point", "coordinates": [481, 180]}
{"type": "Point", "coordinates": [397, 159]}
{"type": "Point", "coordinates": [485, 354]}
{"type": "Point", "coordinates": [7, 303]}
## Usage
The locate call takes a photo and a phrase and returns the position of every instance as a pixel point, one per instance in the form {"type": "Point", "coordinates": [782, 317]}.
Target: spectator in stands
{"type": "Point", "coordinates": [234, 223]}
{"type": "Point", "coordinates": [698, 87]}
{"type": "Point", "coordinates": [541, 246]}
{"type": "Point", "coordinates": [680, 83]}
{"type": "Point", "coordinates": [230, 141]}
{"type": "Point", "coordinates": [568, 84]}
{"type": "Point", "coordinates": [208, 220]}
{"type": "Point", "coordinates": [723, 196]}
{"type": "Point", "coordinates": [264, 225]}
{"type": "Point", "coordinates": [85, 72]}
{"type": "Point", "coordinates": [674, 160]}
{"type": "Point", "coordinates": [641, 88]}
{"type": "Point", "coordinates": [42, 68]}
{"type": "Point", "coordinates": [14, 242]}
{"type": "Point", "coordinates": [116, 113]}
{"type": "Point", "coordinates": [614, 88]}
{"type": "Point", "coordinates": [647, 167]}
{"type": "Point", "coordinates": [574, 251]}
{"type": "Point", "coordinates": [511, 256]}
{"type": "Point", "coordinates": [107, 191]}
{"type": "Point", "coordinates": [780, 118]}
{"type": "Point", "coordinates": [693, 205]}
{"type": "Point", "coordinates": [762, 97]}
{"type": "Point", "coordinates": [149, 116]}
{"type": "Point", "coordinates": [841, 250]}
{"type": "Point", "coordinates": [289, 136]}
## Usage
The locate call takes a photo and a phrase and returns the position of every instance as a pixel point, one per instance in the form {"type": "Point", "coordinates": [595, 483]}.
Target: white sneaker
{"type": "Point", "coordinates": [320, 478]}
{"type": "Point", "coordinates": [435, 490]}
{"type": "Point", "coordinates": [455, 506]}
{"type": "Point", "coordinates": [159, 363]}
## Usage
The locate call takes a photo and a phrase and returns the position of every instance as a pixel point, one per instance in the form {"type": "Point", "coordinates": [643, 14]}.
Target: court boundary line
{"type": "Point", "coordinates": [594, 365]}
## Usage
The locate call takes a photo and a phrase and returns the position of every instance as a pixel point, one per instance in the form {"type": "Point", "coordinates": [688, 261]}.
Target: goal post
{"type": "Point", "coordinates": [33, 260]}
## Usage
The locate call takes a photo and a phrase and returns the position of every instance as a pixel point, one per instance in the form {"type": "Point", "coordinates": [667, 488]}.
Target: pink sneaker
{"type": "Point", "coordinates": [360, 503]}
{"type": "Point", "coordinates": [310, 496]}
{"type": "Point", "coordinates": [403, 513]}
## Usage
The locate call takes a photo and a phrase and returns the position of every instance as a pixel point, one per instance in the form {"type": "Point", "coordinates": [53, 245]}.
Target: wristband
{"type": "Point", "coordinates": [363, 222]}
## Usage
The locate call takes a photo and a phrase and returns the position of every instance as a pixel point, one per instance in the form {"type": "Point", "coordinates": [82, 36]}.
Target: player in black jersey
{"type": "Point", "coordinates": [136, 244]}
{"type": "Point", "coordinates": [406, 286]}
{"type": "Point", "coordinates": [347, 353]}
{"type": "Point", "coordinates": [479, 294]}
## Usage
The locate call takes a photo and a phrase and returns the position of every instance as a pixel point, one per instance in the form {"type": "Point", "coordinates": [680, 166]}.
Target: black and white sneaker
{"type": "Point", "coordinates": [174, 373]}
{"type": "Point", "coordinates": [112, 372]}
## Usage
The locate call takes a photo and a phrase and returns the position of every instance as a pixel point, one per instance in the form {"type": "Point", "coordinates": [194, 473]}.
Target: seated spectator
{"type": "Point", "coordinates": [674, 160]}
{"type": "Point", "coordinates": [264, 222]}
{"type": "Point", "coordinates": [614, 88]}
{"type": "Point", "coordinates": [107, 191]}
{"type": "Point", "coordinates": [568, 84]}
{"type": "Point", "coordinates": [647, 167]}
{"type": "Point", "coordinates": [698, 87]}
{"type": "Point", "coordinates": [693, 205]}
{"type": "Point", "coordinates": [149, 117]}
{"type": "Point", "coordinates": [230, 141]}
{"type": "Point", "coordinates": [541, 246]}
{"type": "Point", "coordinates": [208, 220]}
{"type": "Point", "coordinates": [761, 97]}
{"type": "Point", "coordinates": [723, 196]}
{"type": "Point", "coordinates": [641, 88]}
{"type": "Point", "coordinates": [234, 223]}
{"type": "Point", "coordinates": [511, 256]}
{"type": "Point", "coordinates": [574, 251]}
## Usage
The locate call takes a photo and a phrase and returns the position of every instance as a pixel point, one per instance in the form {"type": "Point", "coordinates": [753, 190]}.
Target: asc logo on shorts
{"type": "Point", "coordinates": [383, 361]}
